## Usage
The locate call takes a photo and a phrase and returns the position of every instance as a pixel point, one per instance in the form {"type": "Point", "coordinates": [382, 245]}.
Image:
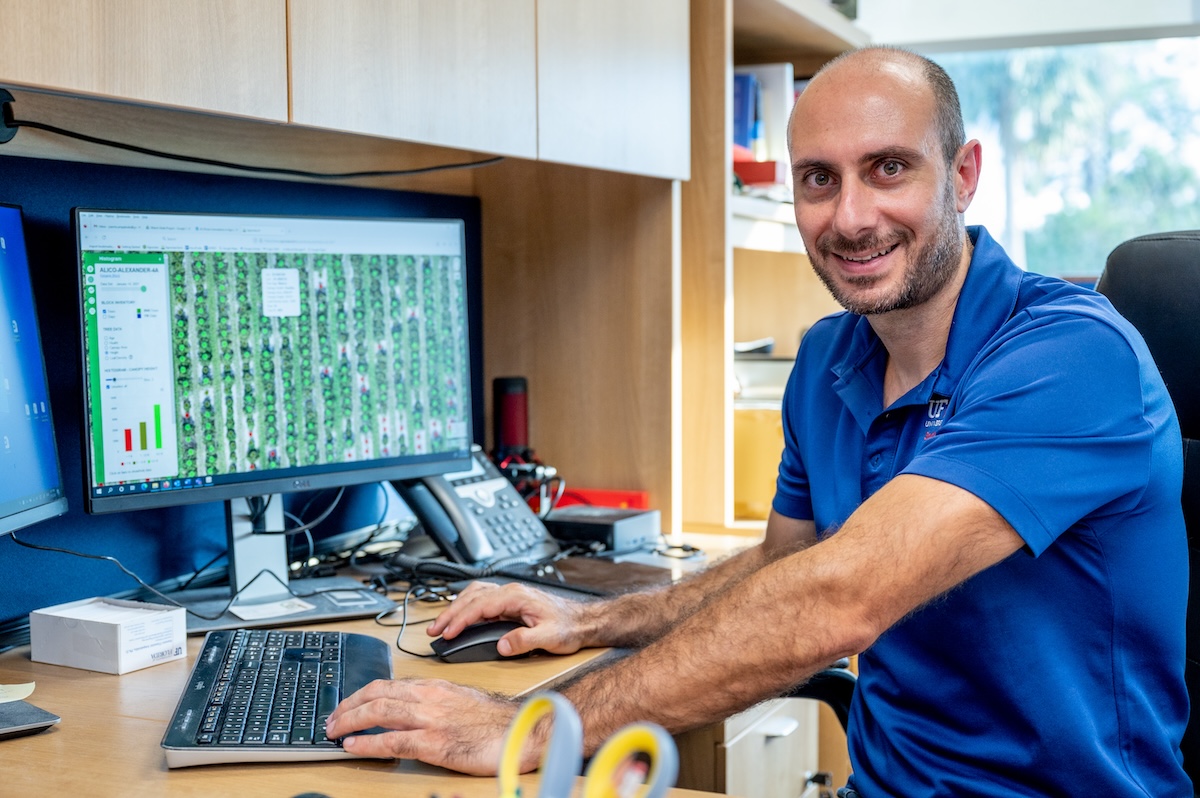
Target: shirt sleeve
{"type": "Point", "coordinates": [1048, 426]}
{"type": "Point", "coordinates": [792, 490]}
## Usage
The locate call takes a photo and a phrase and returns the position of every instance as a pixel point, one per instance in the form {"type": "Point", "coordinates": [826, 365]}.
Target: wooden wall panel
{"type": "Point", "coordinates": [580, 298]}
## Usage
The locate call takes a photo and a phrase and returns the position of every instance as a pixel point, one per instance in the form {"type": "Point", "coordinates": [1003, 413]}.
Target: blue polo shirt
{"type": "Point", "coordinates": [1058, 671]}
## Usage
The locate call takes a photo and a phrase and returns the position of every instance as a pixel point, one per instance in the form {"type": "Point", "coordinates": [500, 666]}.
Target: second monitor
{"type": "Point", "coordinates": [237, 357]}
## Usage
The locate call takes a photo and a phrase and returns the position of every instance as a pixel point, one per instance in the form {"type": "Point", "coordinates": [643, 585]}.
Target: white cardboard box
{"type": "Point", "coordinates": [108, 635]}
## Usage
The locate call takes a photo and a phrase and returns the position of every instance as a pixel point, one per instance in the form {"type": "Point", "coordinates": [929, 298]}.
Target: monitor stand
{"type": "Point", "coordinates": [258, 575]}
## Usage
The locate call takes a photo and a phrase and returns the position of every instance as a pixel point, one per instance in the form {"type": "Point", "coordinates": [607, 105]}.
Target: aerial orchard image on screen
{"type": "Point", "coordinates": [285, 360]}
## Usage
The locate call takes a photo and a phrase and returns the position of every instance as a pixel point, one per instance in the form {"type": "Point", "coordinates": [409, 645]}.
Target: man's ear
{"type": "Point", "coordinates": [966, 173]}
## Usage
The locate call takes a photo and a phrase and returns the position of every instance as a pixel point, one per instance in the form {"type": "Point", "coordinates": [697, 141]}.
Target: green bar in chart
{"type": "Point", "coordinates": [158, 427]}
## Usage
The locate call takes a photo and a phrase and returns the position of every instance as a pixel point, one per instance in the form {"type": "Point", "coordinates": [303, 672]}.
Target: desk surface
{"type": "Point", "coordinates": [108, 741]}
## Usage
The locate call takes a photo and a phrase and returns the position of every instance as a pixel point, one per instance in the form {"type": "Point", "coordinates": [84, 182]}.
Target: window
{"type": "Point", "coordinates": [1084, 146]}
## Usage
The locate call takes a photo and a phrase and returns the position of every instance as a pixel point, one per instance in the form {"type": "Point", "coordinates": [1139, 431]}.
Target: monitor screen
{"type": "Point", "coordinates": [30, 483]}
{"type": "Point", "coordinates": [229, 356]}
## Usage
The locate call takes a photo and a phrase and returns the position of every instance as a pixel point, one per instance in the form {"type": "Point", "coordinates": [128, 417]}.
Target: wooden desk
{"type": "Point", "coordinates": [108, 741]}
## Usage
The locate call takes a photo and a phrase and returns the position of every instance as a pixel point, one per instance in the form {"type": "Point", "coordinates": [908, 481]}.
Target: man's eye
{"type": "Point", "coordinates": [890, 168]}
{"type": "Point", "coordinates": [819, 179]}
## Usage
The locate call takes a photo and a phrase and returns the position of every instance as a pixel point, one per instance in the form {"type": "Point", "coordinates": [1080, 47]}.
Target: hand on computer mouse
{"type": "Point", "coordinates": [547, 622]}
{"type": "Point", "coordinates": [477, 643]}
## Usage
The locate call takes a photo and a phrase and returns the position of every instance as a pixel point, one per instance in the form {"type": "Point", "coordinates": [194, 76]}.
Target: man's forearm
{"type": "Point", "coordinates": [913, 540]}
{"type": "Point", "coordinates": [636, 619]}
{"type": "Point", "coordinates": [747, 645]}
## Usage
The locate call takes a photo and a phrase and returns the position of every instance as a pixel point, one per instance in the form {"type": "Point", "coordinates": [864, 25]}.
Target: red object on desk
{"type": "Point", "coordinates": [621, 499]}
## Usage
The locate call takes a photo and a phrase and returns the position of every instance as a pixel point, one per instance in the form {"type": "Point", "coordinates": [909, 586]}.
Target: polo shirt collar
{"type": "Point", "coordinates": [987, 300]}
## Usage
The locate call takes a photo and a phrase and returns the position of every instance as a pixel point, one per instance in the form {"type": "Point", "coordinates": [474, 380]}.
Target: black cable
{"type": "Point", "coordinates": [163, 596]}
{"type": "Point", "coordinates": [11, 122]}
{"type": "Point", "coordinates": [677, 551]}
{"type": "Point", "coordinates": [387, 505]}
{"type": "Point", "coordinates": [202, 569]}
{"type": "Point", "coordinates": [304, 527]}
{"type": "Point", "coordinates": [416, 592]}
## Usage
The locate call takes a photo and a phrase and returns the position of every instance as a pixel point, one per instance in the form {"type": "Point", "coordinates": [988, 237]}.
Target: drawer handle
{"type": "Point", "coordinates": [774, 728]}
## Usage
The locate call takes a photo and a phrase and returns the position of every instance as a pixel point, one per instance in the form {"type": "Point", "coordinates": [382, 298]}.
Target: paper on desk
{"type": "Point", "coordinates": [270, 609]}
{"type": "Point", "coordinates": [15, 692]}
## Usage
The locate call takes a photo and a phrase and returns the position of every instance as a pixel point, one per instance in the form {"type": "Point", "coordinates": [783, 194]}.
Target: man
{"type": "Point", "coordinates": [979, 491]}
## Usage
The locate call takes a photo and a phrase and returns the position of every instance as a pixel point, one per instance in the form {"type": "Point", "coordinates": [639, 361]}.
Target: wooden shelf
{"type": "Point", "coordinates": [806, 33]}
{"type": "Point", "coordinates": [730, 241]}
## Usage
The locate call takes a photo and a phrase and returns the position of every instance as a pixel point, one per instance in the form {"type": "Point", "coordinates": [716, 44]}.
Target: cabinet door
{"type": "Point", "coordinates": [774, 757]}
{"type": "Point", "coordinates": [459, 73]}
{"type": "Point", "coordinates": [613, 85]}
{"type": "Point", "coordinates": [228, 56]}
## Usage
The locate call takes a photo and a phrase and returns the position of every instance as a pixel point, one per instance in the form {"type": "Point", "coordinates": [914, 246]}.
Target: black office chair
{"type": "Point", "coordinates": [833, 686]}
{"type": "Point", "coordinates": [1154, 281]}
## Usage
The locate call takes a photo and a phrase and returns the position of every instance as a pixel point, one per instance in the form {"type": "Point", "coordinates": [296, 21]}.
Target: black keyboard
{"type": "Point", "coordinates": [258, 695]}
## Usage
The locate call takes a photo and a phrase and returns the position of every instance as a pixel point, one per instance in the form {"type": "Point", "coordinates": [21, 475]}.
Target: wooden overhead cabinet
{"type": "Point", "coordinates": [227, 56]}
{"type": "Point", "coordinates": [459, 73]}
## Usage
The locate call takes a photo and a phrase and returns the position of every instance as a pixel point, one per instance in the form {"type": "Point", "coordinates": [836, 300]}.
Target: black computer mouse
{"type": "Point", "coordinates": [476, 643]}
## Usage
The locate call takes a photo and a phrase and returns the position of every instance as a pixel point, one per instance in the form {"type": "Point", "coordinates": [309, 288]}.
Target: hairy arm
{"type": "Point", "coordinates": [635, 619]}
{"type": "Point", "coordinates": [564, 626]}
{"type": "Point", "coordinates": [767, 619]}
{"type": "Point", "coordinates": [912, 541]}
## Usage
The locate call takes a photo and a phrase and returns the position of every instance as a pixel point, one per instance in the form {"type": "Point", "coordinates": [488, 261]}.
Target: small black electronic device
{"type": "Point", "coordinates": [617, 529]}
{"type": "Point", "coordinates": [477, 517]}
{"type": "Point", "coordinates": [18, 719]}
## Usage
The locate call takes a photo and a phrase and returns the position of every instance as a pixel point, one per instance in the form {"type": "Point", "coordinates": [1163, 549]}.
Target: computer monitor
{"type": "Point", "coordinates": [234, 357]}
{"type": "Point", "coordinates": [30, 481]}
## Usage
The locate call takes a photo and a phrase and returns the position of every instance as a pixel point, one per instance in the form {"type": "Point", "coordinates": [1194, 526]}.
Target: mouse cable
{"type": "Point", "coordinates": [11, 122]}
{"type": "Point", "coordinates": [414, 593]}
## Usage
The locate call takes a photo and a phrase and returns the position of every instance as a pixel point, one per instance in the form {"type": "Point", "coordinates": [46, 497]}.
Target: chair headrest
{"type": "Point", "coordinates": [1154, 282]}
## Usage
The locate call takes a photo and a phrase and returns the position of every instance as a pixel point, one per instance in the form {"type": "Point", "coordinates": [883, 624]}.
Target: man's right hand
{"type": "Point", "coordinates": [552, 624]}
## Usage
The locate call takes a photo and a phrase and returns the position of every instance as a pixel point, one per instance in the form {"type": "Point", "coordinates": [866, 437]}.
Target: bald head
{"type": "Point", "coordinates": [908, 67]}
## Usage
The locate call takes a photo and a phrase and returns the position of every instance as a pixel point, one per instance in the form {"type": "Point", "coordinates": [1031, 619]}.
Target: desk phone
{"type": "Point", "coordinates": [476, 516]}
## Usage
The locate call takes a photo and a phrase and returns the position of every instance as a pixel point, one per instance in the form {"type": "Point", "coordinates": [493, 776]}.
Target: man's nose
{"type": "Point", "coordinates": [856, 210]}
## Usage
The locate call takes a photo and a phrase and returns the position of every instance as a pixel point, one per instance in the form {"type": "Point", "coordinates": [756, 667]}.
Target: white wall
{"type": "Point", "coordinates": [941, 25]}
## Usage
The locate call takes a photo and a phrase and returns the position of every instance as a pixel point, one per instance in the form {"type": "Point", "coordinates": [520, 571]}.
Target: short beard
{"type": "Point", "coordinates": [926, 273]}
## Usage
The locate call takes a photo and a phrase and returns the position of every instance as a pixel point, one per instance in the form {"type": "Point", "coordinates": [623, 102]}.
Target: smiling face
{"type": "Point", "coordinates": [876, 202]}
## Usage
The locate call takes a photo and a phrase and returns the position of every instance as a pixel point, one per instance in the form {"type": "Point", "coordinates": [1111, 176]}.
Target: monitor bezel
{"type": "Point", "coordinates": [57, 505]}
{"type": "Point", "coordinates": [321, 476]}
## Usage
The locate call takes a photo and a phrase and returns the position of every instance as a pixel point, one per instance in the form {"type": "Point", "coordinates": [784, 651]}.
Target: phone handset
{"type": "Point", "coordinates": [476, 516]}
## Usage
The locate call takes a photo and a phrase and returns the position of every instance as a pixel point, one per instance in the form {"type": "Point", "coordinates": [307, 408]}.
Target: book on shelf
{"type": "Point", "coordinates": [762, 106]}
{"type": "Point", "coordinates": [745, 109]}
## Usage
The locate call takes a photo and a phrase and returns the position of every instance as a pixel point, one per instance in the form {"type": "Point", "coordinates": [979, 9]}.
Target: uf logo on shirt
{"type": "Point", "coordinates": [935, 416]}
